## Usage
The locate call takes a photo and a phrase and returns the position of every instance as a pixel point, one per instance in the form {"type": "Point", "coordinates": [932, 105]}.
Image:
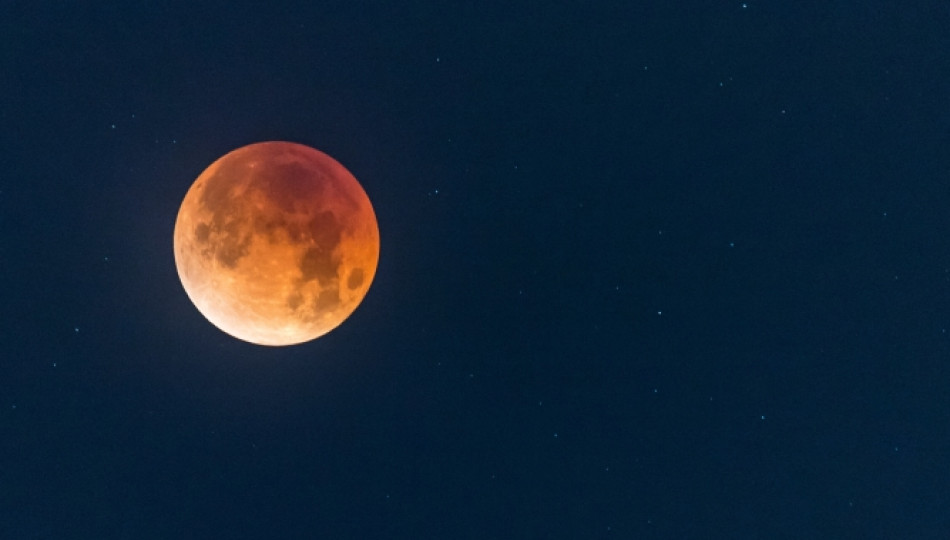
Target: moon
{"type": "Point", "coordinates": [276, 243]}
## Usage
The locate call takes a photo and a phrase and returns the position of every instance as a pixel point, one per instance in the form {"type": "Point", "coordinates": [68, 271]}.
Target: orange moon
{"type": "Point", "coordinates": [276, 243]}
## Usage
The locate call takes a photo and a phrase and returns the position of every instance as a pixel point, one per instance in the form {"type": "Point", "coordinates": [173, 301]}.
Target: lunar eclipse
{"type": "Point", "coordinates": [276, 243]}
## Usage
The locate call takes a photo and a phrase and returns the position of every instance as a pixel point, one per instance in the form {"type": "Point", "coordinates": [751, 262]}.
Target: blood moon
{"type": "Point", "coordinates": [276, 243]}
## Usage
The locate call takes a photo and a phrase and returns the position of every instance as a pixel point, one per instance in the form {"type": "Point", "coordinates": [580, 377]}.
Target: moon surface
{"type": "Point", "coordinates": [276, 243]}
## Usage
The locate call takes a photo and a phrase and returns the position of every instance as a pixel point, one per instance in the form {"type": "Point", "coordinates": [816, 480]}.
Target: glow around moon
{"type": "Point", "coordinates": [276, 243]}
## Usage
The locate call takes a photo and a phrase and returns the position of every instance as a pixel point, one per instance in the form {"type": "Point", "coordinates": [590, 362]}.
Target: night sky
{"type": "Point", "coordinates": [647, 270]}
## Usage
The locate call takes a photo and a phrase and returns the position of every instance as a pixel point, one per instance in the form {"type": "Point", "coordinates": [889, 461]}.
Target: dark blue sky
{"type": "Point", "coordinates": [648, 270]}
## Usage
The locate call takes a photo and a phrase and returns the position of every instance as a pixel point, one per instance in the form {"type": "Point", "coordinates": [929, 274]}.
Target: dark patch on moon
{"type": "Point", "coordinates": [268, 227]}
{"type": "Point", "coordinates": [231, 246]}
{"type": "Point", "coordinates": [294, 301]}
{"type": "Point", "coordinates": [327, 300]}
{"type": "Point", "coordinates": [229, 236]}
{"type": "Point", "coordinates": [325, 230]}
{"type": "Point", "coordinates": [355, 279]}
{"type": "Point", "coordinates": [320, 261]}
{"type": "Point", "coordinates": [203, 233]}
{"type": "Point", "coordinates": [291, 185]}
{"type": "Point", "coordinates": [231, 250]}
